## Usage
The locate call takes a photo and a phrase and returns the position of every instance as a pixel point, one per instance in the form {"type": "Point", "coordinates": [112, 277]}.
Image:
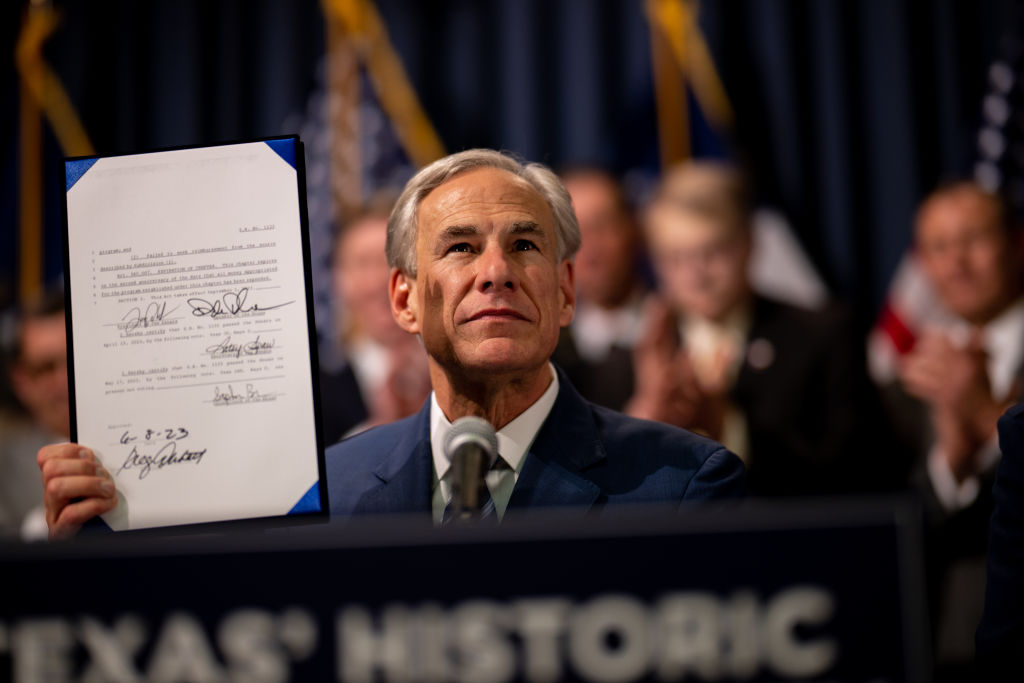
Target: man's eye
{"type": "Point", "coordinates": [461, 247]}
{"type": "Point", "coordinates": [523, 245]}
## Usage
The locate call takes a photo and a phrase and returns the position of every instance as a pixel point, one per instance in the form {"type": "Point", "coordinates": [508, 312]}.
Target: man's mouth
{"type": "Point", "coordinates": [496, 314]}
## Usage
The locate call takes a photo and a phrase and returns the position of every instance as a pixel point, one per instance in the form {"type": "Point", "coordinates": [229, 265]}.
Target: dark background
{"type": "Point", "coordinates": [847, 112]}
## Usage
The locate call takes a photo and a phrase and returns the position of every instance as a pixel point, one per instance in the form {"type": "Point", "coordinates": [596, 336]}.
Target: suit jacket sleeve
{"type": "Point", "coordinates": [1000, 636]}
{"type": "Point", "coordinates": [721, 476]}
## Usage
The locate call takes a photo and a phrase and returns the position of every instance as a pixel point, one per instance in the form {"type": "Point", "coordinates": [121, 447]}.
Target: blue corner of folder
{"type": "Point", "coordinates": [285, 149]}
{"type": "Point", "coordinates": [74, 170]}
{"type": "Point", "coordinates": [310, 501]}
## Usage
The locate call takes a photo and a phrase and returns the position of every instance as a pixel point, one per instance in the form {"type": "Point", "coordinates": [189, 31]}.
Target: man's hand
{"type": "Point", "coordinates": [954, 383]}
{"type": "Point", "coordinates": [661, 391]}
{"type": "Point", "coordinates": [667, 388]}
{"type": "Point", "coordinates": [957, 442]}
{"type": "Point", "coordinates": [941, 374]}
{"type": "Point", "coordinates": [76, 488]}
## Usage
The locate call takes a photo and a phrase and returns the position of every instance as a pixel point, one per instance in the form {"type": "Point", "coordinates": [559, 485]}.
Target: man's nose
{"type": "Point", "coordinates": [496, 270]}
{"type": "Point", "coordinates": [957, 256]}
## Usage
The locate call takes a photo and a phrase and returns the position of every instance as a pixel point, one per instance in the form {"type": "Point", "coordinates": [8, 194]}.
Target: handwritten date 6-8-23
{"type": "Point", "coordinates": [154, 435]}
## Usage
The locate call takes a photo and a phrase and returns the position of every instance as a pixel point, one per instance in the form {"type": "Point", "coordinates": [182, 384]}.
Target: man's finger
{"type": "Point", "coordinates": [920, 381]}
{"type": "Point", "coordinates": [63, 451]}
{"type": "Point", "coordinates": [64, 467]}
{"type": "Point", "coordinates": [73, 516]}
{"type": "Point", "coordinates": [60, 491]}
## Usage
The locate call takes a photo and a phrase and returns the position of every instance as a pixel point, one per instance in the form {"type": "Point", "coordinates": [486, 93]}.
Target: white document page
{"type": "Point", "coordinates": [190, 338]}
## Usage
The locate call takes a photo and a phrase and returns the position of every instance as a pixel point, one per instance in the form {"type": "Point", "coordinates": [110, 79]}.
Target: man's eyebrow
{"type": "Point", "coordinates": [456, 231]}
{"type": "Point", "coordinates": [526, 228]}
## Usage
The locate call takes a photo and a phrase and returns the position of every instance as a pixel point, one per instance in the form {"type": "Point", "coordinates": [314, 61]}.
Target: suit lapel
{"type": "Point", "coordinates": [553, 474]}
{"type": "Point", "coordinates": [747, 378]}
{"type": "Point", "coordinates": [404, 473]}
{"type": "Point", "coordinates": [566, 445]}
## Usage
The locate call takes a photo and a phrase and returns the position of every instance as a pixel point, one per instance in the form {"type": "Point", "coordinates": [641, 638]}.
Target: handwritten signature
{"type": "Point", "coordinates": [153, 314]}
{"type": "Point", "coordinates": [229, 397]}
{"type": "Point", "coordinates": [250, 348]}
{"type": "Point", "coordinates": [231, 303]}
{"type": "Point", "coordinates": [167, 455]}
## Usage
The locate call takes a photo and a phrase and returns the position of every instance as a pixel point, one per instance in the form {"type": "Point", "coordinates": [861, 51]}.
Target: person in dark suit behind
{"type": "Point", "coordinates": [1000, 635]}
{"type": "Point", "coordinates": [595, 351]}
{"type": "Point", "coordinates": [959, 376]}
{"type": "Point", "coordinates": [786, 388]}
{"type": "Point", "coordinates": [35, 351]}
{"type": "Point", "coordinates": [384, 372]}
{"type": "Point", "coordinates": [480, 248]}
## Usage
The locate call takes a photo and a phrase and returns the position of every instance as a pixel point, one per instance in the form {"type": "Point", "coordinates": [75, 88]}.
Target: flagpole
{"type": "Point", "coordinates": [30, 171]}
{"type": "Point", "coordinates": [365, 27]}
{"type": "Point", "coordinates": [40, 93]}
{"type": "Point", "coordinates": [669, 86]}
{"type": "Point", "coordinates": [343, 98]}
{"type": "Point", "coordinates": [681, 59]}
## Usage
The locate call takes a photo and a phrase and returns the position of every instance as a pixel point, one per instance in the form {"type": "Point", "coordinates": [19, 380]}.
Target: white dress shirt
{"type": "Point", "coordinates": [1003, 339]}
{"type": "Point", "coordinates": [370, 364]}
{"type": "Point", "coordinates": [596, 330]}
{"type": "Point", "coordinates": [514, 440]}
{"type": "Point", "coordinates": [707, 343]}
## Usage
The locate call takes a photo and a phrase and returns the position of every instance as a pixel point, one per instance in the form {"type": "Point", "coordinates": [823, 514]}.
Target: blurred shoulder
{"type": "Point", "coordinates": [619, 429]}
{"type": "Point", "coordinates": [833, 313]}
{"type": "Point", "coordinates": [658, 443]}
{"type": "Point", "coordinates": [802, 327]}
{"type": "Point", "coordinates": [654, 461]}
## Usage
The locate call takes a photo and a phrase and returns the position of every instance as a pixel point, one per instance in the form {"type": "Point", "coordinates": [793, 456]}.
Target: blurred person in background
{"type": "Point", "coordinates": [783, 387]}
{"type": "Point", "coordinates": [385, 375]}
{"type": "Point", "coordinates": [959, 377]}
{"type": "Point", "coordinates": [596, 349]}
{"type": "Point", "coordinates": [36, 365]}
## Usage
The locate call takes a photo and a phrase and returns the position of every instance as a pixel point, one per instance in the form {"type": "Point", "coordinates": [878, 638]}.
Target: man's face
{"type": "Point", "coordinates": [702, 264]}
{"type": "Point", "coordinates": [40, 376]}
{"type": "Point", "coordinates": [361, 279]}
{"type": "Point", "coordinates": [967, 255]}
{"type": "Point", "coordinates": [490, 293]}
{"type": "Point", "coordinates": [605, 262]}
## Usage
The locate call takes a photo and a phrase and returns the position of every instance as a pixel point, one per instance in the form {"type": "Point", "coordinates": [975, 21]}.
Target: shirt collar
{"type": "Point", "coordinates": [514, 439]}
{"type": "Point", "coordinates": [1001, 339]}
{"type": "Point", "coordinates": [596, 330]}
{"type": "Point", "coordinates": [370, 364]}
{"type": "Point", "coordinates": [737, 322]}
{"type": "Point", "coordinates": [1003, 343]}
{"type": "Point", "coordinates": [705, 340]}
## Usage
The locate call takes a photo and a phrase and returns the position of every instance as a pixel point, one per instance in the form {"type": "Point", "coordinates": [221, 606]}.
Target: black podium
{"type": "Point", "coordinates": [755, 592]}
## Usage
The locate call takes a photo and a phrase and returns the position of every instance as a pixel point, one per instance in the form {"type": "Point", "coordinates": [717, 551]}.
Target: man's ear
{"type": "Point", "coordinates": [566, 292]}
{"type": "Point", "coordinates": [20, 382]}
{"type": "Point", "coordinates": [404, 306]}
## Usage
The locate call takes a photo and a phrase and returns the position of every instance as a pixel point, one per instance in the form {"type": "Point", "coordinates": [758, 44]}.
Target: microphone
{"type": "Point", "coordinates": [471, 446]}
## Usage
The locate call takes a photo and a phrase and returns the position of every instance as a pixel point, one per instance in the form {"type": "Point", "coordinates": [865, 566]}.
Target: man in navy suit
{"type": "Point", "coordinates": [480, 248]}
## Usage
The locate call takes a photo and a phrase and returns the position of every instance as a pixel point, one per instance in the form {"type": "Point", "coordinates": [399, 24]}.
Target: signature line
{"type": "Point", "coordinates": [210, 384]}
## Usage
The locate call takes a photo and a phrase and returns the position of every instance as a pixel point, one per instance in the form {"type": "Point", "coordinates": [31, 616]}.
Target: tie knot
{"type": "Point", "coordinates": [478, 505]}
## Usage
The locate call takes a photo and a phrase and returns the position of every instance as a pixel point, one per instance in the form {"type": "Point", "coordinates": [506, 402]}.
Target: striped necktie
{"type": "Point", "coordinates": [486, 511]}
